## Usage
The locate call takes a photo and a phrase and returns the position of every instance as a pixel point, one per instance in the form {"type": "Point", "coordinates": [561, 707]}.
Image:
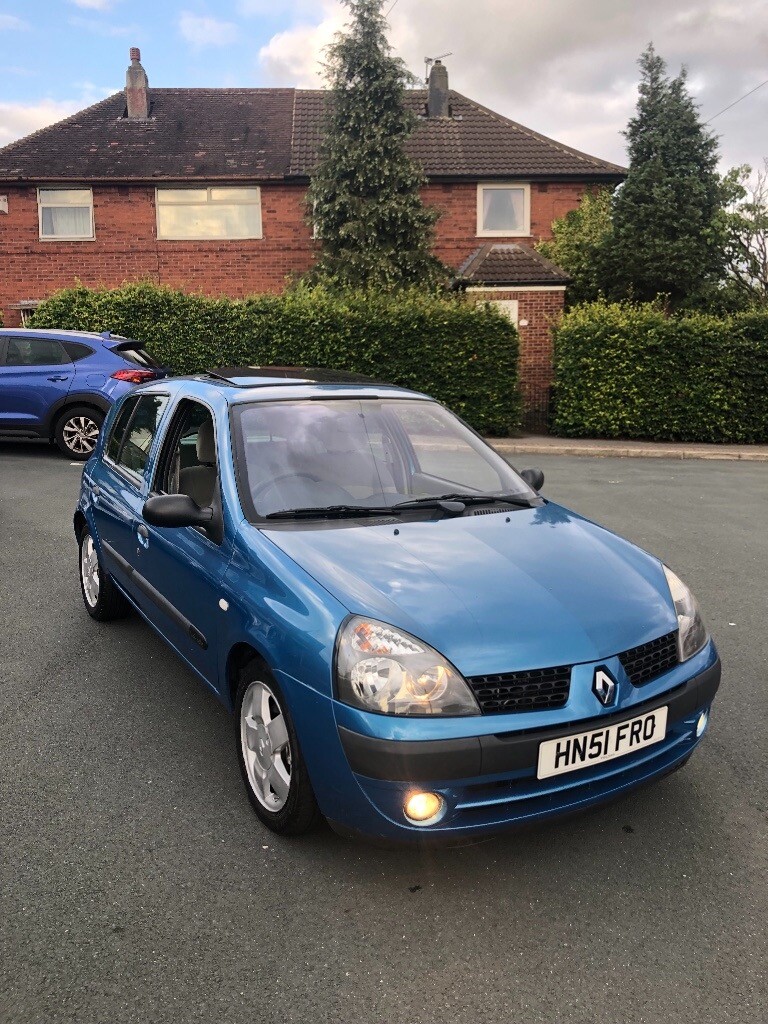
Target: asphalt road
{"type": "Point", "coordinates": [137, 885]}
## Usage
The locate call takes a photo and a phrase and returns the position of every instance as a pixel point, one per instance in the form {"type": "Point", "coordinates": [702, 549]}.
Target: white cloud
{"type": "Point", "coordinates": [201, 31]}
{"type": "Point", "coordinates": [10, 21]}
{"type": "Point", "coordinates": [93, 5]}
{"type": "Point", "coordinates": [294, 57]}
{"type": "Point", "coordinates": [566, 70]}
{"type": "Point", "coordinates": [19, 119]}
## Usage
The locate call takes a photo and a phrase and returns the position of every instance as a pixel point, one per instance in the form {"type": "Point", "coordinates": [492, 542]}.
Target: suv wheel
{"type": "Point", "coordinates": [77, 431]}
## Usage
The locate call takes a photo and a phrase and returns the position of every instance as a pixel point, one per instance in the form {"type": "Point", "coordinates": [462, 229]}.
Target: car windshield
{"type": "Point", "coordinates": [361, 453]}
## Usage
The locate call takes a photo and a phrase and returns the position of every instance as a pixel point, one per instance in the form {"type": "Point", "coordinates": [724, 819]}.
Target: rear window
{"type": "Point", "coordinates": [136, 353]}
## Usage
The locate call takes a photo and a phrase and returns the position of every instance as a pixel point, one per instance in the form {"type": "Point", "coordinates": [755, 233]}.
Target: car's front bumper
{"type": "Point", "coordinates": [489, 783]}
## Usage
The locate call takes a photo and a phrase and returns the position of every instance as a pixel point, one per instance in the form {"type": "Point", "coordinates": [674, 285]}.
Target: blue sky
{"type": "Point", "coordinates": [564, 68]}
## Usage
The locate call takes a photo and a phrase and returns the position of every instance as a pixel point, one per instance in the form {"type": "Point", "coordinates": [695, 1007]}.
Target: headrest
{"type": "Point", "coordinates": [206, 446]}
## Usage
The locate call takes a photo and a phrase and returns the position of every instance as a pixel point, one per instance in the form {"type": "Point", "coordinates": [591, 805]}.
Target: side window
{"type": "Point", "coordinates": [76, 350]}
{"type": "Point", "coordinates": [140, 432]}
{"type": "Point", "coordinates": [118, 430]}
{"type": "Point", "coordinates": [35, 352]}
{"type": "Point", "coordinates": [188, 461]}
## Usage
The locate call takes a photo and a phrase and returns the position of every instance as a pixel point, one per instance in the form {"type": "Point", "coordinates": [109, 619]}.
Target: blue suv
{"type": "Point", "coordinates": [61, 384]}
{"type": "Point", "coordinates": [414, 642]}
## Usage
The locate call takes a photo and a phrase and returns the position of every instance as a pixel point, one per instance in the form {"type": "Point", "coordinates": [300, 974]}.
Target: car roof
{"type": "Point", "coordinates": [62, 335]}
{"type": "Point", "coordinates": [278, 384]}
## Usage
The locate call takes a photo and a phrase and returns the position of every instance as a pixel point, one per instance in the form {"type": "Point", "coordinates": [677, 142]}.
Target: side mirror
{"type": "Point", "coordinates": [534, 478]}
{"type": "Point", "coordinates": [176, 510]}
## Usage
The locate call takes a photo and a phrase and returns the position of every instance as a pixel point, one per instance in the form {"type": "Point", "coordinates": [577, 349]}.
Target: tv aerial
{"type": "Point", "coordinates": [429, 61]}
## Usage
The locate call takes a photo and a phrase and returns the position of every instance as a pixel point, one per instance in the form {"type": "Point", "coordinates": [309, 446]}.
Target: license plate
{"type": "Point", "coordinates": [569, 753]}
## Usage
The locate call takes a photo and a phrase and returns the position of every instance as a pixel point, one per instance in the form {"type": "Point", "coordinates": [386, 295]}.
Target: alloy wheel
{"type": "Point", "coordinates": [89, 571]}
{"type": "Point", "coordinates": [266, 746]}
{"type": "Point", "coordinates": [80, 434]}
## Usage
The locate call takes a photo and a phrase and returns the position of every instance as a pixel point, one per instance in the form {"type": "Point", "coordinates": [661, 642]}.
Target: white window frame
{"type": "Point", "coordinates": [197, 188]}
{"type": "Point", "coordinates": [526, 232]}
{"type": "Point", "coordinates": [40, 207]}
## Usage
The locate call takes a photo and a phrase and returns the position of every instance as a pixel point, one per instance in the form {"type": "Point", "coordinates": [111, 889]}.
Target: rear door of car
{"type": "Point", "coordinates": [120, 488]}
{"type": "Point", "coordinates": [35, 374]}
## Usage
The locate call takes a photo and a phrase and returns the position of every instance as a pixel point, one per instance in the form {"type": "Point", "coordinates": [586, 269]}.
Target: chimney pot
{"type": "Point", "coordinates": [136, 88]}
{"type": "Point", "coordinates": [437, 99]}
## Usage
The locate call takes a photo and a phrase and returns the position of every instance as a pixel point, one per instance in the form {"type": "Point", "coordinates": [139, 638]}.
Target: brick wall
{"type": "Point", "coordinates": [126, 245]}
{"type": "Point", "coordinates": [126, 248]}
{"type": "Point", "coordinates": [457, 227]}
{"type": "Point", "coordinates": [537, 311]}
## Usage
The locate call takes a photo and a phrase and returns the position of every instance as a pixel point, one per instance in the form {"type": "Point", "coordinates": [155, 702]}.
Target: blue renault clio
{"type": "Point", "coordinates": [413, 641]}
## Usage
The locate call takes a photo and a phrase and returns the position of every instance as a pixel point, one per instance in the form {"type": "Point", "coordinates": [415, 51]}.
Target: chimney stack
{"type": "Point", "coordinates": [137, 88]}
{"type": "Point", "coordinates": [437, 100]}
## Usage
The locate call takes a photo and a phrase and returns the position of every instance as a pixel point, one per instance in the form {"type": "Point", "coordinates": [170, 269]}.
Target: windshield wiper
{"type": "Point", "coordinates": [443, 500]}
{"type": "Point", "coordinates": [453, 504]}
{"type": "Point", "coordinates": [330, 512]}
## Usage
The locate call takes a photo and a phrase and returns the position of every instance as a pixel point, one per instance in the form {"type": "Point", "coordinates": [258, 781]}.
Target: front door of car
{"type": "Point", "coordinates": [186, 565]}
{"type": "Point", "coordinates": [119, 488]}
{"type": "Point", "coordinates": [34, 375]}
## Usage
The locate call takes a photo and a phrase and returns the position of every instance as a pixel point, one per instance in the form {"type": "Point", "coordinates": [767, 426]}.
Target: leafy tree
{"type": "Point", "coordinates": [667, 231]}
{"type": "Point", "coordinates": [364, 197]}
{"type": "Point", "coordinates": [746, 234]}
{"type": "Point", "coordinates": [578, 242]}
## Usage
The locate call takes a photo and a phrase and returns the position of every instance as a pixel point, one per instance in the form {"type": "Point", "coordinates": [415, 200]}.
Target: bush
{"type": "Point", "coordinates": [464, 355]}
{"type": "Point", "coordinates": [630, 371]}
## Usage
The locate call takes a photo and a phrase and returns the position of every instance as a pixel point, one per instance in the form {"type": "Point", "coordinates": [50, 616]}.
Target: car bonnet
{"type": "Point", "coordinates": [494, 593]}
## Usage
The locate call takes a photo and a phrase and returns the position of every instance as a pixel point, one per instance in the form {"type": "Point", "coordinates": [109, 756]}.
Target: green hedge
{"type": "Point", "coordinates": [630, 371]}
{"type": "Point", "coordinates": [463, 354]}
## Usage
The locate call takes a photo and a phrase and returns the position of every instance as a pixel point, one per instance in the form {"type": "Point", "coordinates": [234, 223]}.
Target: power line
{"type": "Point", "coordinates": [394, 5]}
{"type": "Point", "coordinates": [734, 102]}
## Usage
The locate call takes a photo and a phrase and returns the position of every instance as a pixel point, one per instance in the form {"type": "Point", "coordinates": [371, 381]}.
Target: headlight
{"type": "Point", "coordinates": [692, 633]}
{"type": "Point", "coordinates": [380, 668]}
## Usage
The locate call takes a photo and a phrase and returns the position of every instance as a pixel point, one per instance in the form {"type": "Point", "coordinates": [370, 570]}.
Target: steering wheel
{"type": "Point", "coordinates": [283, 476]}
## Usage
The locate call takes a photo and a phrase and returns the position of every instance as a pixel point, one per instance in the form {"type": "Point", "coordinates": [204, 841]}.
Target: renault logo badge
{"type": "Point", "coordinates": [604, 687]}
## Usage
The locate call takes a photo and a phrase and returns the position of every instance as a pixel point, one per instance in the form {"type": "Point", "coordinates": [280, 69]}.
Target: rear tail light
{"type": "Point", "coordinates": [135, 376]}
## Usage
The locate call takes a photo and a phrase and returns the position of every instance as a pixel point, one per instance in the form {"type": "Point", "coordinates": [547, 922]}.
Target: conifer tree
{"type": "Point", "coordinates": [667, 238]}
{"type": "Point", "coordinates": [578, 242]}
{"type": "Point", "coordinates": [364, 198]}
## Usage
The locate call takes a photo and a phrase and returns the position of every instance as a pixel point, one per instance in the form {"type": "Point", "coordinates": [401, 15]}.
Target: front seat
{"type": "Point", "coordinates": [199, 481]}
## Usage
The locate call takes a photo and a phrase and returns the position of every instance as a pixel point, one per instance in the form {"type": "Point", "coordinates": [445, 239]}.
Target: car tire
{"type": "Point", "coordinates": [77, 431]}
{"type": "Point", "coordinates": [102, 600]}
{"type": "Point", "coordinates": [269, 755]}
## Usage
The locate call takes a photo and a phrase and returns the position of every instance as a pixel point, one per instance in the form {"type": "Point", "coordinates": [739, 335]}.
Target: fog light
{"type": "Point", "coordinates": [424, 808]}
{"type": "Point", "coordinates": [701, 724]}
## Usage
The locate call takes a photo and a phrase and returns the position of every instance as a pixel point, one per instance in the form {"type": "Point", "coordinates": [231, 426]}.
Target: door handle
{"type": "Point", "coordinates": [59, 376]}
{"type": "Point", "coordinates": [143, 535]}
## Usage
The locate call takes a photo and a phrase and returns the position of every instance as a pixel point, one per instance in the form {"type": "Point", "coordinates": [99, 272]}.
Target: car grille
{"type": "Point", "coordinates": [545, 689]}
{"type": "Point", "coordinates": [539, 689]}
{"type": "Point", "coordinates": [644, 663]}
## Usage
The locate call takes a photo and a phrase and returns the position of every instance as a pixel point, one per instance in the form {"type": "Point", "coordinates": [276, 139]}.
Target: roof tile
{"type": "Point", "coordinates": [274, 133]}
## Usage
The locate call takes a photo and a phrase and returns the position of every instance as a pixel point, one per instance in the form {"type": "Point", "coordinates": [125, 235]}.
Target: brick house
{"type": "Point", "coordinates": [204, 190]}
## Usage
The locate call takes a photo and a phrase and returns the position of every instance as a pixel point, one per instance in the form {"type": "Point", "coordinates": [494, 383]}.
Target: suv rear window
{"type": "Point", "coordinates": [135, 352]}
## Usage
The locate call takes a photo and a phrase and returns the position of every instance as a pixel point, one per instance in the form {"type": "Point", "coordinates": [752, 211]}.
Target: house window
{"type": "Point", "coordinates": [65, 213]}
{"type": "Point", "coordinates": [200, 213]}
{"type": "Point", "coordinates": [503, 210]}
{"type": "Point", "coordinates": [509, 307]}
